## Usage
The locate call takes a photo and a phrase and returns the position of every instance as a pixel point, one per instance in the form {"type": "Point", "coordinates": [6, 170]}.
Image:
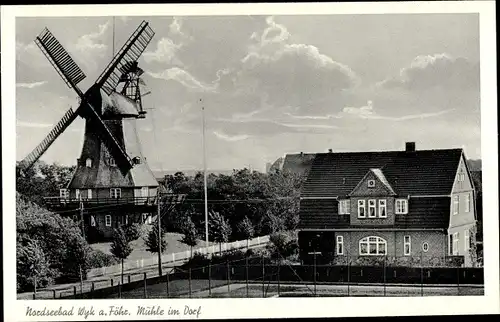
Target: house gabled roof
{"type": "Point", "coordinates": [299, 163]}
{"type": "Point", "coordinates": [381, 178]}
{"type": "Point", "coordinates": [421, 172]}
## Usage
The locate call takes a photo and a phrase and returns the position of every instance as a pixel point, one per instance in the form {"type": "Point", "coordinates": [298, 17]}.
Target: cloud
{"type": "Point", "coordinates": [230, 138]}
{"type": "Point", "coordinates": [92, 41]}
{"type": "Point", "coordinates": [436, 71]}
{"type": "Point", "coordinates": [30, 85]}
{"type": "Point", "coordinates": [33, 124]}
{"type": "Point", "coordinates": [186, 79]}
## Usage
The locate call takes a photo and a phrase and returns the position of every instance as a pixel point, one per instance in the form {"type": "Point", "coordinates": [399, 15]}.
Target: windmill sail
{"type": "Point", "coordinates": [60, 60]}
{"type": "Point", "coordinates": [65, 121]}
{"type": "Point", "coordinates": [130, 52]}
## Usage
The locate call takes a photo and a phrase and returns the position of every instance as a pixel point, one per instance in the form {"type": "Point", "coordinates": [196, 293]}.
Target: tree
{"type": "Point", "coordinates": [246, 229]}
{"type": "Point", "coordinates": [190, 237]}
{"type": "Point", "coordinates": [152, 241]}
{"type": "Point", "coordinates": [282, 244]}
{"type": "Point", "coordinates": [120, 247]}
{"type": "Point", "coordinates": [220, 229]}
{"type": "Point", "coordinates": [33, 267]}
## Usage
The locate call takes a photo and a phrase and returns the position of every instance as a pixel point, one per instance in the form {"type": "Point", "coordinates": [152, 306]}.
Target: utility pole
{"type": "Point", "coordinates": [159, 233]}
{"type": "Point", "coordinates": [81, 217]}
{"type": "Point", "coordinates": [205, 177]}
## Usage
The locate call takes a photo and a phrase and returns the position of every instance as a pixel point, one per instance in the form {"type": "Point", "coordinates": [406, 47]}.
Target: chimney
{"type": "Point", "coordinates": [301, 154]}
{"type": "Point", "coordinates": [410, 146]}
{"type": "Point", "coordinates": [330, 150]}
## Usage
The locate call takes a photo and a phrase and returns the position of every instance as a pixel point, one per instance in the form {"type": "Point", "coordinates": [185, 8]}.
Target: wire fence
{"type": "Point", "coordinates": [261, 277]}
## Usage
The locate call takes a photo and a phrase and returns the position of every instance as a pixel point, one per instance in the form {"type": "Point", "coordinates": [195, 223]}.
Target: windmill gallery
{"type": "Point", "coordinates": [111, 169]}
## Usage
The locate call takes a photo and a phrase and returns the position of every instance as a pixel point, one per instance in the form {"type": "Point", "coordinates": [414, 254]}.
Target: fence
{"type": "Point", "coordinates": [262, 277]}
{"type": "Point", "coordinates": [179, 256]}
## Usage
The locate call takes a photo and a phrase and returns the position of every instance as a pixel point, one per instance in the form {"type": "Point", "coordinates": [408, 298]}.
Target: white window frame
{"type": "Point", "coordinates": [407, 242]}
{"type": "Point", "coordinates": [381, 244]}
{"type": "Point", "coordinates": [382, 205]}
{"type": "Point", "coordinates": [467, 202]}
{"type": "Point", "coordinates": [361, 205]}
{"type": "Point", "coordinates": [64, 193]}
{"type": "Point", "coordinates": [340, 245]}
{"type": "Point", "coordinates": [372, 204]}
{"type": "Point", "coordinates": [108, 220]}
{"type": "Point", "coordinates": [456, 204]}
{"type": "Point", "coordinates": [371, 183]}
{"type": "Point", "coordinates": [77, 194]}
{"type": "Point", "coordinates": [344, 207]}
{"type": "Point", "coordinates": [401, 206]}
{"type": "Point", "coordinates": [92, 221]}
{"type": "Point", "coordinates": [88, 163]}
{"type": "Point", "coordinates": [89, 193]}
{"type": "Point", "coordinates": [115, 193]}
{"type": "Point", "coordinates": [456, 241]}
{"type": "Point", "coordinates": [466, 240]}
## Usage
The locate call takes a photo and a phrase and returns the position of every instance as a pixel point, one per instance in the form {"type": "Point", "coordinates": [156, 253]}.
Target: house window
{"type": "Point", "coordinates": [111, 161]}
{"type": "Point", "coordinates": [425, 247]}
{"type": "Point", "coordinates": [340, 245]}
{"type": "Point", "coordinates": [455, 244]}
{"type": "Point", "coordinates": [344, 207]}
{"type": "Point", "coordinates": [126, 219]}
{"type": "Point", "coordinates": [88, 163]}
{"type": "Point", "coordinates": [382, 208]}
{"type": "Point", "coordinates": [77, 194]}
{"type": "Point", "coordinates": [372, 246]}
{"type": "Point", "coordinates": [92, 221]}
{"type": "Point", "coordinates": [467, 202]}
{"type": "Point", "coordinates": [108, 220]}
{"type": "Point", "coordinates": [407, 245]}
{"type": "Point", "coordinates": [401, 206]}
{"type": "Point", "coordinates": [64, 193]}
{"type": "Point", "coordinates": [371, 183]}
{"type": "Point", "coordinates": [361, 209]}
{"type": "Point", "coordinates": [466, 240]}
{"type": "Point", "coordinates": [371, 208]}
{"type": "Point", "coordinates": [456, 202]}
{"type": "Point", "coordinates": [89, 193]}
{"type": "Point", "coordinates": [115, 193]}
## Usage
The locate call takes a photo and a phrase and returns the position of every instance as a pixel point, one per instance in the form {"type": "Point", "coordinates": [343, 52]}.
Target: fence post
{"type": "Point", "coordinates": [189, 277]}
{"type": "Point", "coordinates": [314, 271]}
{"type": "Point", "coordinates": [119, 290]}
{"type": "Point", "coordinates": [54, 293]}
{"type": "Point", "coordinates": [34, 296]}
{"type": "Point", "coordinates": [228, 277]}
{"type": "Point", "coordinates": [421, 274]}
{"type": "Point", "coordinates": [168, 282]}
{"type": "Point", "coordinates": [92, 288]}
{"type": "Point", "coordinates": [263, 276]}
{"type": "Point", "coordinates": [145, 286]}
{"type": "Point", "coordinates": [348, 275]}
{"type": "Point", "coordinates": [210, 277]}
{"type": "Point", "coordinates": [279, 267]}
{"type": "Point", "coordinates": [129, 278]}
{"type": "Point", "coordinates": [385, 280]}
{"type": "Point", "coordinates": [246, 273]}
{"type": "Point", "coordinates": [74, 291]}
{"type": "Point", "coordinates": [111, 281]}
{"type": "Point", "coordinates": [458, 280]}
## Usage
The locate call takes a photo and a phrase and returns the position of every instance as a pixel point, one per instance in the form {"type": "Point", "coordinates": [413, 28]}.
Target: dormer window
{"type": "Point", "coordinates": [137, 160]}
{"type": "Point", "coordinates": [344, 207]}
{"type": "Point", "coordinates": [88, 163]}
{"type": "Point", "coordinates": [111, 161]}
{"type": "Point", "coordinates": [401, 206]}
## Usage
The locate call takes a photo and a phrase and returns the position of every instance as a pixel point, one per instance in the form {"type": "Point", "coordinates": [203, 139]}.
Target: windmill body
{"type": "Point", "coordinates": [112, 184]}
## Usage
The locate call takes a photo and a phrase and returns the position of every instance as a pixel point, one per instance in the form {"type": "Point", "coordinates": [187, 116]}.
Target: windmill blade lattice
{"type": "Point", "coordinates": [60, 60]}
{"type": "Point", "coordinates": [130, 52]}
{"type": "Point", "coordinates": [65, 121]}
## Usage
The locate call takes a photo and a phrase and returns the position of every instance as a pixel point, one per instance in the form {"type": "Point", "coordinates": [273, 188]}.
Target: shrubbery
{"type": "Point", "coordinates": [98, 259]}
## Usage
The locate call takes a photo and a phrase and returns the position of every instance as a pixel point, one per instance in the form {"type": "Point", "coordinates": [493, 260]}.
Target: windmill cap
{"type": "Point", "coordinates": [117, 104]}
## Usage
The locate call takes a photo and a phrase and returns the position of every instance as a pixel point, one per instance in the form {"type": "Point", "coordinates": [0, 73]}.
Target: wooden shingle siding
{"type": "Point", "coordinates": [321, 214]}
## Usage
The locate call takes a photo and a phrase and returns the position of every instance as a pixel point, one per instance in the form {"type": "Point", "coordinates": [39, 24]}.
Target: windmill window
{"type": "Point", "coordinates": [64, 193]}
{"type": "Point", "coordinates": [115, 193]}
{"type": "Point", "coordinates": [108, 220]}
{"type": "Point", "coordinates": [111, 161]}
{"type": "Point", "coordinates": [88, 163]}
{"type": "Point", "coordinates": [137, 160]}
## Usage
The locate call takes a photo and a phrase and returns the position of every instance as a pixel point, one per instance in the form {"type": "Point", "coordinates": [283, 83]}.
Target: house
{"type": "Point", "coordinates": [399, 204]}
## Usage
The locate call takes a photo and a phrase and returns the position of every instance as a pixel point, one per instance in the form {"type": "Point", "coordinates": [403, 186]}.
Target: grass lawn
{"type": "Point", "coordinates": [174, 245]}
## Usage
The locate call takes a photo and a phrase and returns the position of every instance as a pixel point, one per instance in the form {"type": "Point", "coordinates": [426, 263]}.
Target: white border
{"type": "Point", "coordinates": [277, 307]}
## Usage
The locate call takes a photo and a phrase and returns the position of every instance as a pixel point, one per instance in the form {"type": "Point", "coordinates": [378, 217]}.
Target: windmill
{"type": "Point", "coordinates": [111, 167]}
{"type": "Point", "coordinates": [93, 103]}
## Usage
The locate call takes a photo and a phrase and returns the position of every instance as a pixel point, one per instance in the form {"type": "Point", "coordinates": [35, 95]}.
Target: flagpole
{"type": "Point", "coordinates": [205, 177]}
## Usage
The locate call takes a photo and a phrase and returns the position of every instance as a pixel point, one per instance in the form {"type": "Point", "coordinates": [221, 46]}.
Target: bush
{"type": "Point", "coordinates": [32, 266]}
{"type": "Point", "coordinates": [132, 231]}
{"type": "Point", "coordinates": [98, 258]}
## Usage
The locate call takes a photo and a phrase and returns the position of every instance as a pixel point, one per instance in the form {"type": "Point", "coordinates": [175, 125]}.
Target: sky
{"type": "Point", "coordinates": [269, 85]}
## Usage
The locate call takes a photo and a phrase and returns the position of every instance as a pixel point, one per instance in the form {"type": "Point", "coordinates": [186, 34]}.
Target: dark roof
{"type": "Point", "coordinates": [425, 213]}
{"type": "Point", "coordinates": [422, 172]}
